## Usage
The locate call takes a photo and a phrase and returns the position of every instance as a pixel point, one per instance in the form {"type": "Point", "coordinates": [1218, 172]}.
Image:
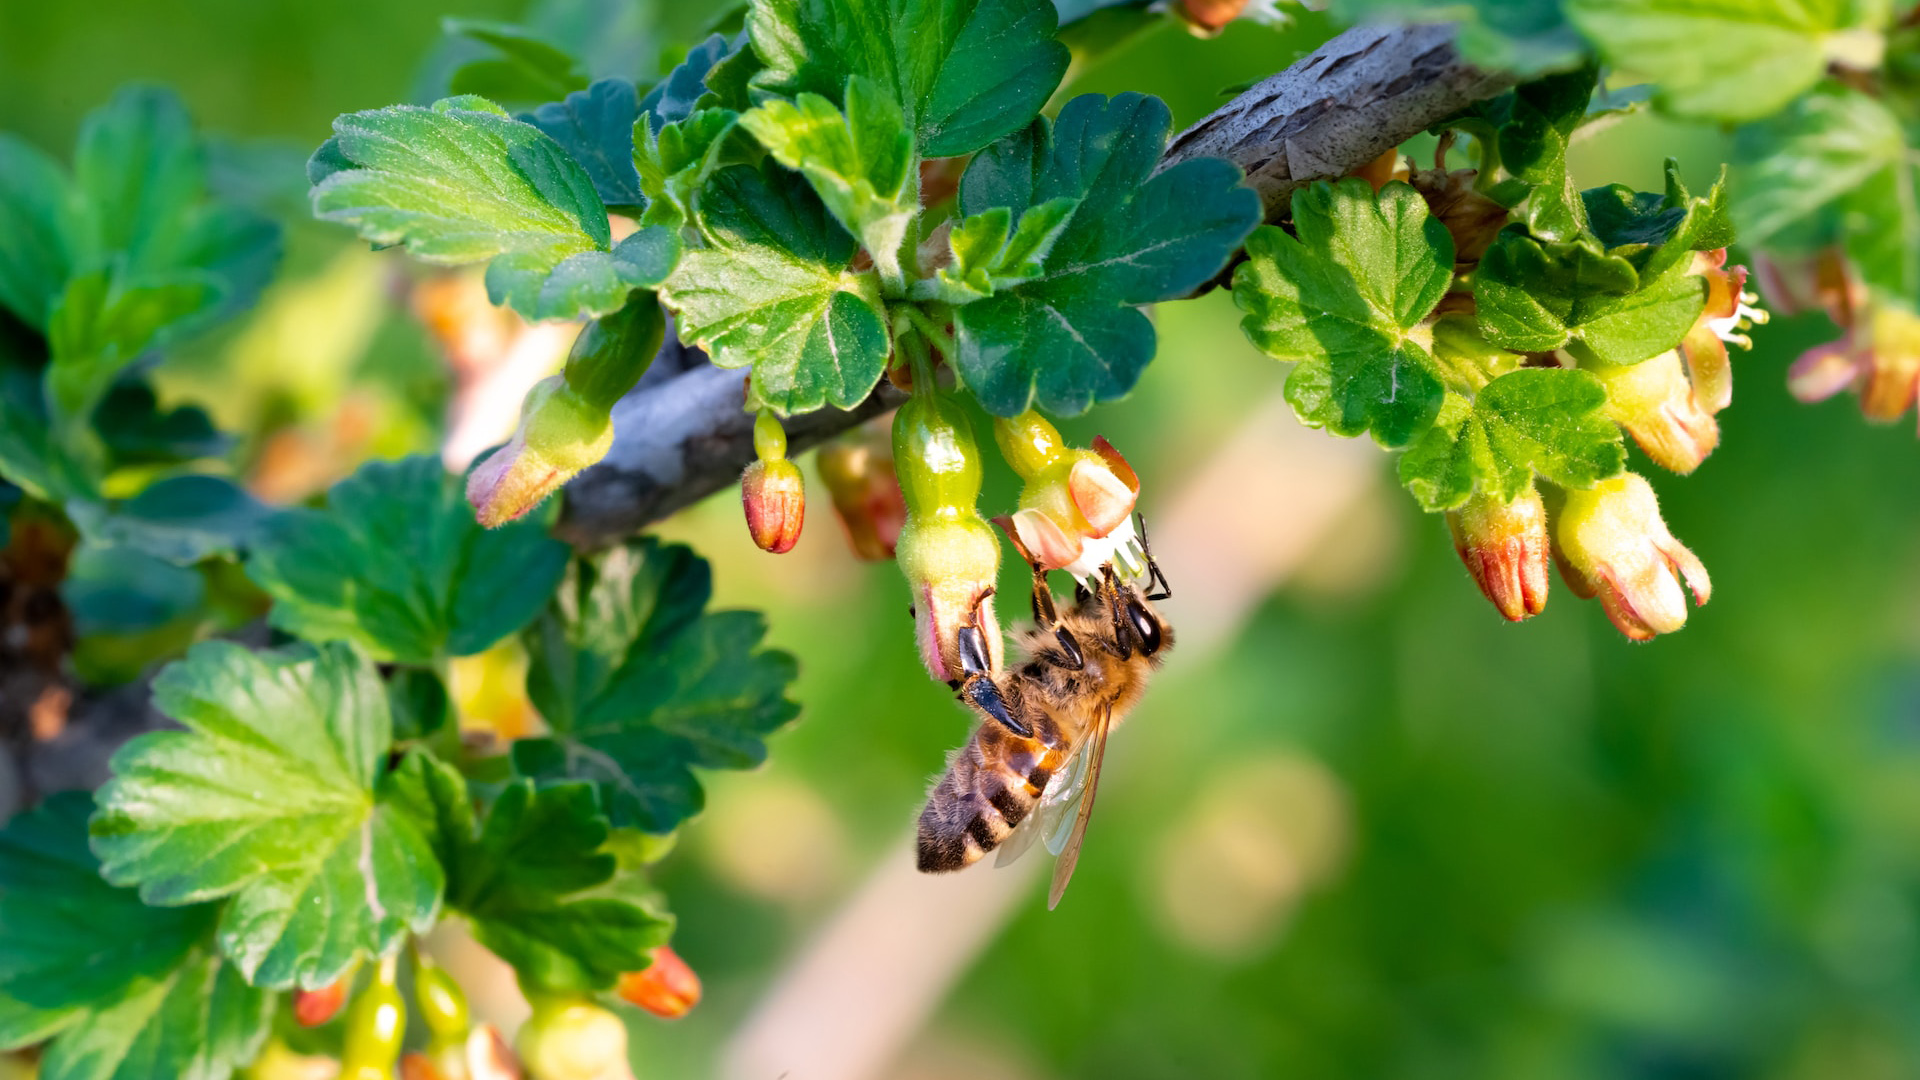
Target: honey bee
{"type": "Point", "coordinates": [1035, 757]}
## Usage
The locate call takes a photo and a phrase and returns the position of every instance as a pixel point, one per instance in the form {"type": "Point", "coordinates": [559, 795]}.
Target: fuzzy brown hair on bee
{"type": "Point", "coordinates": [1044, 722]}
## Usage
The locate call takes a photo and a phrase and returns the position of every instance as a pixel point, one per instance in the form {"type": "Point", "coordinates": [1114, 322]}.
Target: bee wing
{"type": "Point", "coordinates": [1095, 753]}
{"type": "Point", "coordinates": [1050, 818]}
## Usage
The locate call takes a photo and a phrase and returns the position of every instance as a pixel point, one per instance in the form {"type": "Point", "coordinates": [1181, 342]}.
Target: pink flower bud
{"type": "Point", "coordinates": [1611, 542]}
{"type": "Point", "coordinates": [1505, 547]}
{"type": "Point", "coordinates": [1655, 403]}
{"type": "Point", "coordinates": [559, 434]}
{"type": "Point", "coordinates": [667, 988]}
{"type": "Point", "coordinates": [774, 496]}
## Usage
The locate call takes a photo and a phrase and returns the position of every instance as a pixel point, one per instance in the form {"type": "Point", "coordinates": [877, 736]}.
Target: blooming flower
{"type": "Point", "coordinates": [1728, 314]}
{"type": "Point", "coordinates": [1505, 547]}
{"type": "Point", "coordinates": [1076, 509]}
{"type": "Point", "coordinates": [1877, 354]}
{"type": "Point", "coordinates": [1611, 542]}
{"type": "Point", "coordinates": [1658, 406]}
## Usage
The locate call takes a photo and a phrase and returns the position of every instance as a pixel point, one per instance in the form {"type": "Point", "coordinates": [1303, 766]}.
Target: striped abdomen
{"type": "Point", "coordinates": [993, 783]}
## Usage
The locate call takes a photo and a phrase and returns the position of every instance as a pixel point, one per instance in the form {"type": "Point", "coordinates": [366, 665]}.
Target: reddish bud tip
{"type": "Point", "coordinates": [667, 988]}
{"type": "Point", "coordinates": [559, 434]}
{"type": "Point", "coordinates": [311, 1008]}
{"type": "Point", "coordinates": [774, 495]}
{"type": "Point", "coordinates": [1613, 538]}
{"type": "Point", "coordinates": [1505, 547]}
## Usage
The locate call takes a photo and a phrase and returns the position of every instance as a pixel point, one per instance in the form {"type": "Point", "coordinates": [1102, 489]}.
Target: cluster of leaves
{"type": "Point", "coordinates": [318, 805]}
{"type": "Point", "coordinates": [1466, 335]}
{"type": "Point", "coordinates": [775, 180]}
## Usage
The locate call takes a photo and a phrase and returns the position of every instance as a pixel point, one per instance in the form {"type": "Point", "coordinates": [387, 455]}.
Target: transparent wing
{"type": "Point", "coordinates": [1095, 753]}
{"type": "Point", "coordinates": [1052, 814]}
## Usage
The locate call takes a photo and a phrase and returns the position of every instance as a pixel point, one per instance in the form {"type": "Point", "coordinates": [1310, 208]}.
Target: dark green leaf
{"type": "Point", "coordinates": [419, 703]}
{"type": "Point", "coordinates": [1533, 147]}
{"type": "Point", "coordinates": [1534, 420]}
{"type": "Point", "coordinates": [397, 564]}
{"type": "Point", "coordinates": [774, 288]}
{"type": "Point", "coordinates": [639, 686]}
{"type": "Point", "coordinates": [183, 519]}
{"type": "Point", "coordinates": [964, 72]}
{"type": "Point", "coordinates": [675, 162]}
{"type": "Point", "coordinates": [267, 798]}
{"type": "Point", "coordinates": [1532, 298]}
{"type": "Point", "coordinates": [595, 127]}
{"type": "Point", "coordinates": [858, 164]}
{"type": "Point", "coordinates": [126, 991]}
{"type": "Point", "coordinates": [536, 882]}
{"type": "Point", "coordinates": [463, 182]}
{"type": "Point", "coordinates": [138, 431]}
{"type": "Point", "coordinates": [1797, 164]}
{"type": "Point", "coordinates": [117, 590]}
{"type": "Point", "coordinates": [528, 67]}
{"type": "Point", "coordinates": [1342, 298]}
{"type": "Point", "coordinates": [673, 99]}
{"type": "Point", "coordinates": [1731, 59]}
{"type": "Point", "coordinates": [1072, 335]}
{"type": "Point", "coordinates": [35, 219]}
{"type": "Point", "coordinates": [1656, 231]}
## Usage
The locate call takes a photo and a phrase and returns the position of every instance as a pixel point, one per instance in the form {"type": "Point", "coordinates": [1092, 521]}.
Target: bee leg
{"type": "Point", "coordinates": [1154, 574]}
{"type": "Point", "coordinates": [980, 692]}
{"type": "Point", "coordinates": [973, 651]}
{"type": "Point", "coordinates": [1116, 599]}
{"type": "Point", "coordinates": [1070, 649]}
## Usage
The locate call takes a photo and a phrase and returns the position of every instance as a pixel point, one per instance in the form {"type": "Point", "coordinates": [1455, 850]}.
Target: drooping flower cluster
{"type": "Point", "coordinates": [1076, 508]}
{"type": "Point", "coordinates": [1877, 355]}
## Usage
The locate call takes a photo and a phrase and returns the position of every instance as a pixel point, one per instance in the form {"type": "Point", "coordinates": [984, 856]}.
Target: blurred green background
{"type": "Point", "coordinates": [1380, 833]}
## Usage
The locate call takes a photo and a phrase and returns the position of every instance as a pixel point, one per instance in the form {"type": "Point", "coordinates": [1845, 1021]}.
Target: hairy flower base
{"type": "Point", "coordinates": [559, 435]}
{"type": "Point", "coordinates": [1611, 542]}
{"type": "Point", "coordinates": [1656, 404]}
{"type": "Point", "coordinates": [1505, 547]}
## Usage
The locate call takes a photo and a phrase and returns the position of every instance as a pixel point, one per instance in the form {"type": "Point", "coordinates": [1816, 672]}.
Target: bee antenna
{"type": "Point", "coordinates": [1154, 573]}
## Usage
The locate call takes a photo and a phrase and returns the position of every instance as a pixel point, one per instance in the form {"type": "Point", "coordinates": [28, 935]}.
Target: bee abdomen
{"type": "Point", "coordinates": [970, 812]}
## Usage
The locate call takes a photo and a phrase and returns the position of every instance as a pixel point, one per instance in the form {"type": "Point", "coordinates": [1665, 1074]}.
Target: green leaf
{"type": "Point", "coordinates": [117, 590]}
{"type": "Point", "coordinates": [1533, 147]}
{"type": "Point", "coordinates": [1655, 231]}
{"type": "Point", "coordinates": [268, 798]}
{"type": "Point", "coordinates": [1532, 298]}
{"type": "Point", "coordinates": [541, 892]}
{"type": "Point", "coordinates": [675, 97]}
{"type": "Point", "coordinates": [964, 72]}
{"type": "Point", "coordinates": [102, 322]}
{"type": "Point", "coordinates": [1526, 37]}
{"type": "Point", "coordinates": [419, 703]}
{"type": "Point", "coordinates": [36, 215]}
{"type": "Point", "coordinates": [138, 431]}
{"type": "Point", "coordinates": [397, 565]}
{"type": "Point", "coordinates": [182, 520]}
{"type": "Point", "coordinates": [1073, 335]}
{"type": "Point", "coordinates": [638, 686]}
{"type": "Point", "coordinates": [1342, 300]}
{"type": "Point", "coordinates": [1833, 168]}
{"type": "Point", "coordinates": [1533, 420]}
{"type": "Point", "coordinates": [595, 127]}
{"type": "Point", "coordinates": [859, 164]}
{"type": "Point", "coordinates": [528, 67]}
{"type": "Point", "coordinates": [987, 259]}
{"type": "Point", "coordinates": [774, 288]}
{"type": "Point", "coordinates": [1731, 59]}
{"type": "Point", "coordinates": [462, 182]}
{"type": "Point", "coordinates": [125, 991]}
{"type": "Point", "coordinates": [675, 161]}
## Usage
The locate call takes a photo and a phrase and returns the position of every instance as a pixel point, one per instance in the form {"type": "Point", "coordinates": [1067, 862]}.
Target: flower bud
{"type": "Point", "coordinates": [772, 491]}
{"type": "Point", "coordinates": [1655, 403]}
{"type": "Point", "coordinates": [376, 1024]}
{"type": "Point", "coordinates": [442, 1004]}
{"type": "Point", "coordinates": [571, 1038]}
{"type": "Point", "coordinates": [566, 421]}
{"type": "Point", "coordinates": [311, 1008]}
{"type": "Point", "coordinates": [1076, 509]}
{"type": "Point", "coordinates": [559, 434]}
{"type": "Point", "coordinates": [866, 495]}
{"type": "Point", "coordinates": [667, 988]}
{"type": "Point", "coordinates": [1208, 17]}
{"type": "Point", "coordinates": [1611, 542]}
{"type": "Point", "coordinates": [946, 550]}
{"type": "Point", "coordinates": [1505, 546]}
{"type": "Point", "coordinates": [1879, 357]}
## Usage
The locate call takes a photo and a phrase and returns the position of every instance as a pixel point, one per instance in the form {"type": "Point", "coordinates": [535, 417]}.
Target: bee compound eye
{"type": "Point", "coordinates": [1146, 626]}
